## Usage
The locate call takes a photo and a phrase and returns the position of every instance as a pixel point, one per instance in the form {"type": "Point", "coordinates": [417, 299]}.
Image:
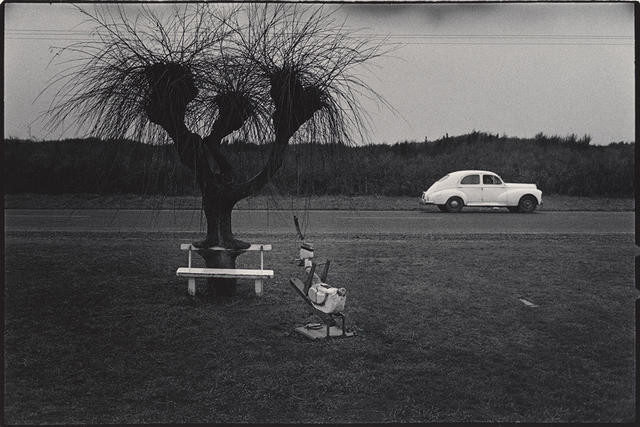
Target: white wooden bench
{"type": "Point", "coordinates": [192, 273]}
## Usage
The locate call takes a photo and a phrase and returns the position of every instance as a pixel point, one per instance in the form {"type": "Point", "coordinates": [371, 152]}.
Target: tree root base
{"type": "Point", "coordinates": [234, 244]}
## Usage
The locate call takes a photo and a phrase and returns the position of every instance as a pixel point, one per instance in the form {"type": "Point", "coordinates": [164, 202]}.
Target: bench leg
{"type": "Point", "coordinates": [259, 287]}
{"type": "Point", "coordinates": [191, 288]}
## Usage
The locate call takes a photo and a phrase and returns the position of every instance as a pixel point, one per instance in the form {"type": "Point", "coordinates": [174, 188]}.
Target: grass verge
{"type": "Point", "coordinates": [99, 330]}
{"type": "Point", "coordinates": [134, 201]}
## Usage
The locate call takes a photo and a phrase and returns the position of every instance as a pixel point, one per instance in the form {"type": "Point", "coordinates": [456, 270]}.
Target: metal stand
{"type": "Point", "coordinates": [328, 327]}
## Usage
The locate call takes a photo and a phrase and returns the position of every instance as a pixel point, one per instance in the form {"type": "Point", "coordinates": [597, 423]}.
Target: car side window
{"type": "Point", "coordinates": [491, 180]}
{"type": "Point", "coordinates": [470, 179]}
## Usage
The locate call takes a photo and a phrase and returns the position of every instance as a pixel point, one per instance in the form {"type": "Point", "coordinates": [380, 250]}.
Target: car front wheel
{"type": "Point", "coordinates": [442, 208]}
{"type": "Point", "coordinates": [527, 204]}
{"type": "Point", "coordinates": [454, 204]}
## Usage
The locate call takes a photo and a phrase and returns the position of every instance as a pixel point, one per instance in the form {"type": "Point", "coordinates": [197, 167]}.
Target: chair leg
{"type": "Point", "coordinates": [258, 287]}
{"type": "Point", "coordinates": [191, 288]}
{"type": "Point", "coordinates": [341, 316]}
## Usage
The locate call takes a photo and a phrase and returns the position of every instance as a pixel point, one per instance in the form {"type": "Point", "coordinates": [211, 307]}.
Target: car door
{"type": "Point", "coordinates": [492, 190]}
{"type": "Point", "coordinates": [470, 186]}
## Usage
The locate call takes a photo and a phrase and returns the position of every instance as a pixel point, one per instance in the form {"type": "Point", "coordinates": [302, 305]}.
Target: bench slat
{"type": "Point", "coordinates": [189, 246]}
{"type": "Point", "coordinates": [223, 273]}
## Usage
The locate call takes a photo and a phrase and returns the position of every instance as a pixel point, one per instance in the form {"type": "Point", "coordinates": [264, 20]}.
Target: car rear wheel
{"type": "Point", "coordinates": [527, 204]}
{"type": "Point", "coordinates": [512, 208]}
{"type": "Point", "coordinates": [443, 208]}
{"type": "Point", "coordinates": [454, 204]}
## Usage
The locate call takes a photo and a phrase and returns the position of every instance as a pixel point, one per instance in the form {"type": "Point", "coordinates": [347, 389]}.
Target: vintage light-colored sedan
{"type": "Point", "coordinates": [480, 188]}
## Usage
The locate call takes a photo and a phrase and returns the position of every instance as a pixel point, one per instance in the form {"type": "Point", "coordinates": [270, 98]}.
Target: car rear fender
{"type": "Point", "coordinates": [441, 197]}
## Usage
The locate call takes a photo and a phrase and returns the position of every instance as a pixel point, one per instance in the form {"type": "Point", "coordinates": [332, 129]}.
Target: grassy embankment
{"type": "Point", "coordinates": [99, 330]}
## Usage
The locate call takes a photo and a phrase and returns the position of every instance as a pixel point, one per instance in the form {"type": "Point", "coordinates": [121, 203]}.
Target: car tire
{"type": "Point", "coordinates": [443, 208]}
{"type": "Point", "coordinates": [512, 209]}
{"type": "Point", "coordinates": [454, 204]}
{"type": "Point", "coordinates": [527, 204]}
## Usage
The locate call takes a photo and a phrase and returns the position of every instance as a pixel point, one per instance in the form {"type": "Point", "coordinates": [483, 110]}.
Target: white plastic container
{"type": "Point", "coordinates": [326, 299]}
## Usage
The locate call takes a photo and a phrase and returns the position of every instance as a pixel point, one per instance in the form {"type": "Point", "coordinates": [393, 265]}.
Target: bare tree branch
{"type": "Point", "coordinates": [197, 74]}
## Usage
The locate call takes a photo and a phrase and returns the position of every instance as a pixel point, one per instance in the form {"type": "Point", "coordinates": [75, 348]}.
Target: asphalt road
{"type": "Point", "coordinates": [329, 221]}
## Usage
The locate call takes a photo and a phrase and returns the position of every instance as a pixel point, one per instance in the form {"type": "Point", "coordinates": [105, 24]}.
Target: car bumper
{"type": "Point", "coordinates": [426, 201]}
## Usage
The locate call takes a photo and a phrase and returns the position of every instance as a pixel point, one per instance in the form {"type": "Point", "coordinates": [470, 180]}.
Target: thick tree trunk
{"type": "Point", "coordinates": [172, 88]}
{"type": "Point", "coordinates": [218, 209]}
{"type": "Point", "coordinates": [218, 200]}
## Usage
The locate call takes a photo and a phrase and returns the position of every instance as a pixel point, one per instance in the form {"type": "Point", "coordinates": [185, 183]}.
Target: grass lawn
{"type": "Point", "coordinates": [98, 329]}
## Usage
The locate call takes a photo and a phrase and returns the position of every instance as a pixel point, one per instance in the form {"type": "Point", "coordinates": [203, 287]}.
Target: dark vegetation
{"type": "Point", "coordinates": [558, 165]}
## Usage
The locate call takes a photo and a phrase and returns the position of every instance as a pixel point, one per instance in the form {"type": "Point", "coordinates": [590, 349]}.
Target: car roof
{"type": "Point", "coordinates": [470, 171]}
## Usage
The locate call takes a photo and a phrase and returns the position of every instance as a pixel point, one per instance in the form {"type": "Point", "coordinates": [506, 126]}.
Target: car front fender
{"type": "Point", "coordinates": [514, 195]}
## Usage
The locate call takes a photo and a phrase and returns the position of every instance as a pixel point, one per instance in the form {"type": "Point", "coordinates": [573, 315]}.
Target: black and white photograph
{"type": "Point", "coordinates": [319, 212]}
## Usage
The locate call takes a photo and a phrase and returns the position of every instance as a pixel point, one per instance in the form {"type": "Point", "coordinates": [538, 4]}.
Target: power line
{"type": "Point", "coordinates": [433, 43]}
{"type": "Point", "coordinates": [417, 39]}
{"type": "Point", "coordinates": [378, 35]}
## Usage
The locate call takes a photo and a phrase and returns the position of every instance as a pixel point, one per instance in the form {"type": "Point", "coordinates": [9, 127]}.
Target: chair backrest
{"type": "Point", "coordinates": [323, 276]}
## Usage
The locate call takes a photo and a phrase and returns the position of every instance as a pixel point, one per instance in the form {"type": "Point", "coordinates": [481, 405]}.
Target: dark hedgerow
{"type": "Point", "coordinates": [404, 169]}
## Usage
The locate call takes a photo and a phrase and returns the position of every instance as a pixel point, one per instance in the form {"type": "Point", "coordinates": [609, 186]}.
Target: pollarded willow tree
{"type": "Point", "coordinates": [273, 74]}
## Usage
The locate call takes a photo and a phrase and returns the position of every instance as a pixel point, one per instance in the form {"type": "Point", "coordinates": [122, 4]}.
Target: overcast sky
{"type": "Point", "coordinates": [515, 69]}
